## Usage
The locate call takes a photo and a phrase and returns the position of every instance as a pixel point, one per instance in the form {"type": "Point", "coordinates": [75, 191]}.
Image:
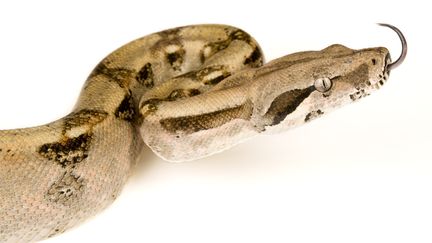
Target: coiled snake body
{"type": "Point", "coordinates": [186, 92]}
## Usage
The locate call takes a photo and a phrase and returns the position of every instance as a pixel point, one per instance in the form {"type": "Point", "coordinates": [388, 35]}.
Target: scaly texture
{"type": "Point", "coordinates": [190, 92]}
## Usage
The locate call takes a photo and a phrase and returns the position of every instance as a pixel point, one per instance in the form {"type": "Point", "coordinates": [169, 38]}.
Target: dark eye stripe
{"type": "Point", "coordinates": [287, 103]}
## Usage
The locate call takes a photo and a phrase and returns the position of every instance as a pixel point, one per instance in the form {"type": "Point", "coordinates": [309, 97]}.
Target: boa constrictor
{"type": "Point", "coordinates": [187, 93]}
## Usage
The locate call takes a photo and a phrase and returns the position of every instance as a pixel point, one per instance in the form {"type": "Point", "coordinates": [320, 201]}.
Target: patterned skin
{"type": "Point", "coordinates": [186, 92]}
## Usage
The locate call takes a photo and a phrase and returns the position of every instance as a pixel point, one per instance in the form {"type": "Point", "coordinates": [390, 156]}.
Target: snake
{"type": "Point", "coordinates": [187, 93]}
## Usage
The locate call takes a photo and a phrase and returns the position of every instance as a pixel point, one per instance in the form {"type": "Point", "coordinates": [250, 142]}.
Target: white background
{"type": "Point", "coordinates": [360, 174]}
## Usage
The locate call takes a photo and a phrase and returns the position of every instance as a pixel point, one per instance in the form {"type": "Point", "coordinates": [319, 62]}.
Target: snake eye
{"type": "Point", "coordinates": [323, 84]}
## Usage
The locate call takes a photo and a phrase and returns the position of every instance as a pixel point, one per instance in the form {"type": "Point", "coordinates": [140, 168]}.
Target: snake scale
{"type": "Point", "coordinates": [186, 92]}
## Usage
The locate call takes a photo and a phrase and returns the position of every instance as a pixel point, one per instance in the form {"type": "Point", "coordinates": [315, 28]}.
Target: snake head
{"type": "Point", "coordinates": [308, 84]}
{"type": "Point", "coordinates": [346, 75]}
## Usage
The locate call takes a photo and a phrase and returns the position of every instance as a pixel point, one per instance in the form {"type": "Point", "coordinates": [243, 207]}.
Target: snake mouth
{"type": "Point", "coordinates": [382, 79]}
{"type": "Point", "coordinates": [384, 75]}
{"type": "Point", "coordinates": [365, 89]}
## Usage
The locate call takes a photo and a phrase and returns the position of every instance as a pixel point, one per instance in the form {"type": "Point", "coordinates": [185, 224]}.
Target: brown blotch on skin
{"type": "Point", "coordinates": [255, 58]}
{"type": "Point", "coordinates": [191, 124]}
{"type": "Point", "coordinates": [312, 115]}
{"type": "Point", "coordinates": [182, 93]}
{"type": "Point", "coordinates": [84, 117]}
{"type": "Point", "coordinates": [286, 103]}
{"type": "Point", "coordinates": [151, 104]}
{"type": "Point", "coordinates": [175, 59]}
{"type": "Point", "coordinates": [240, 35]}
{"type": "Point", "coordinates": [126, 110]}
{"type": "Point", "coordinates": [70, 151]}
{"type": "Point", "coordinates": [145, 76]}
{"type": "Point", "coordinates": [217, 46]}
{"type": "Point", "coordinates": [208, 77]}
{"type": "Point", "coordinates": [66, 190]}
{"type": "Point", "coordinates": [121, 76]}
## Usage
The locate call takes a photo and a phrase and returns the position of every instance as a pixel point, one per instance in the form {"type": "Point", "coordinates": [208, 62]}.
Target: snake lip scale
{"type": "Point", "coordinates": [187, 93]}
